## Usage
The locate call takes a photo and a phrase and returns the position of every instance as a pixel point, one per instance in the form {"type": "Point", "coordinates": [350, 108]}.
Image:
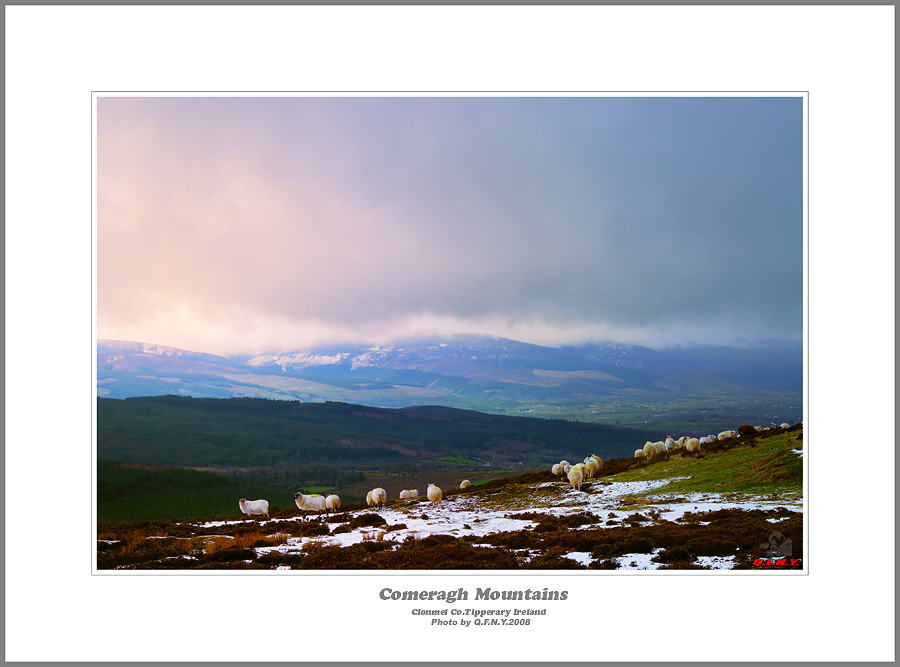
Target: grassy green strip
{"type": "Point", "coordinates": [765, 467]}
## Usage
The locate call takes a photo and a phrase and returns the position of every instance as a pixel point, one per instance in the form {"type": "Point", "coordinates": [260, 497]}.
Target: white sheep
{"type": "Point", "coordinates": [563, 463]}
{"type": "Point", "coordinates": [670, 443]}
{"type": "Point", "coordinates": [785, 425]}
{"type": "Point", "coordinates": [575, 477]}
{"type": "Point", "coordinates": [332, 503]}
{"type": "Point", "coordinates": [379, 497]}
{"type": "Point", "coordinates": [251, 507]}
{"type": "Point", "coordinates": [435, 495]}
{"type": "Point", "coordinates": [314, 503]}
{"type": "Point", "coordinates": [649, 450]}
{"type": "Point", "coordinates": [369, 500]}
{"type": "Point", "coordinates": [555, 470]}
{"type": "Point", "coordinates": [405, 495]}
{"type": "Point", "coordinates": [591, 468]}
{"type": "Point", "coordinates": [465, 484]}
{"type": "Point", "coordinates": [414, 492]}
{"type": "Point", "coordinates": [693, 446]}
{"type": "Point", "coordinates": [705, 440]}
{"type": "Point", "coordinates": [639, 453]}
{"type": "Point", "coordinates": [596, 458]}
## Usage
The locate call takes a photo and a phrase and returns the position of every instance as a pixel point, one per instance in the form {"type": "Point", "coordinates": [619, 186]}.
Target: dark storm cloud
{"type": "Point", "coordinates": [586, 215]}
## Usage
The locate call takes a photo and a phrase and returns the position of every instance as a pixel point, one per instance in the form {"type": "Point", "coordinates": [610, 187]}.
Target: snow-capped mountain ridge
{"type": "Point", "coordinates": [466, 371]}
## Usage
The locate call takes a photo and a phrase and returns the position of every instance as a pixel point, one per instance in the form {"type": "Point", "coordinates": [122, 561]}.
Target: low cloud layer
{"type": "Point", "coordinates": [245, 223]}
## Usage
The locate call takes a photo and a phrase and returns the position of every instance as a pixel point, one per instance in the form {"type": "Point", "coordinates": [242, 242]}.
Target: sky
{"type": "Point", "coordinates": [247, 224]}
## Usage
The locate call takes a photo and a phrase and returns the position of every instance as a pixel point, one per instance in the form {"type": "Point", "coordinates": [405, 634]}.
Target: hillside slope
{"type": "Point", "coordinates": [738, 506]}
{"type": "Point", "coordinates": [245, 432]}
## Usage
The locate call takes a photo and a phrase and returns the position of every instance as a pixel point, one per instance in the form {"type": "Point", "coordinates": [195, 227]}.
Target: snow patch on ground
{"type": "Point", "coordinates": [638, 561]}
{"type": "Point", "coordinates": [481, 515]}
{"type": "Point", "coordinates": [580, 557]}
{"type": "Point", "coordinates": [715, 562]}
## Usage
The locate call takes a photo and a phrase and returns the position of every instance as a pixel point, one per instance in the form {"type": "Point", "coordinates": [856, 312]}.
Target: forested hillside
{"type": "Point", "coordinates": [241, 433]}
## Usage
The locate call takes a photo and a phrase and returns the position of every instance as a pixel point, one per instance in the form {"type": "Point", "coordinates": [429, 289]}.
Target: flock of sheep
{"type": "Point", "coordinates": [580, 471]}
{"type": "Point", "coordinates": [693, 445]}
{"type": "Point", "coordinates": [592, 464]}
{"type": "Point", "coordinates": [576, 474]}
{"type": "Point", "coordinates": [315, 502]}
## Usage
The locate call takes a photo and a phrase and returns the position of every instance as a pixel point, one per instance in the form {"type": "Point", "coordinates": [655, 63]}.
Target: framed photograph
{"type": "Point", "coordinates": [450, 332]}
{"type": "Point", "coordinates": [612, 283]}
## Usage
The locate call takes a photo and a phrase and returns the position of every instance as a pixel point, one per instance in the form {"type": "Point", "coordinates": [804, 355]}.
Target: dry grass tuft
{"type": "Point", "coordinates": [243, 540]}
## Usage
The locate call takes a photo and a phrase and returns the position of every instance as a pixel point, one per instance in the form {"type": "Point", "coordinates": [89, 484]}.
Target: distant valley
{"type": "Point", "coordinates": [677, 388]}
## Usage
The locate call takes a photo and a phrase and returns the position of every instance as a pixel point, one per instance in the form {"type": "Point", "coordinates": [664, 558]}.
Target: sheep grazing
{"type": "Point", "coordinates": [575, 477]}
{"type": "Point", "coordinates": [676, 446]}
{"type": "Point", "coordinates": [649, 450]}
{"type": "Point", "coordinates": [465, 484]}
{"type": "Point", "coordinates": [435, 495]}
{"type": "Point", "coordinates": [563, 464]}
{"type": "Point", "coordinates": [595, 458]}
{"type": "Point", "coordinates": [379, 497]}
{"type": "Point", "coordinates": [313, 503]}
{"type": "Point", "coordinates": [555, 471]}
{"type": "Point", "coordinates": [332, 503]}
{"type": "Point", "coordinates": [405, 495]}
{"type": "Point", "coordinates": [414, 492]}
{"type": "Point", "coordinates": [785, 425]}
{"type": "Point", "coordinates": [591, 468]}
{"type": "Point", "coordinates": [670, 443]}
{"type": "Point", "coordinates": [724, 435]}
{"type": "Point", "coordinates": [369, 500]}
{"type": "Point", "coordinates": [251, 507]}
{"type": "Point", "coordinates": [693, 446]}
{"type": "Point", "coordinates": [639, 453]}
{"type": "Point", "coordinates": [705, 440]}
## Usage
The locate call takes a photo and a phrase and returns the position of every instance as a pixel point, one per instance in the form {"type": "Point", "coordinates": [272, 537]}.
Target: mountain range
{"type": "Point", "coordinates": [617, 383]}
